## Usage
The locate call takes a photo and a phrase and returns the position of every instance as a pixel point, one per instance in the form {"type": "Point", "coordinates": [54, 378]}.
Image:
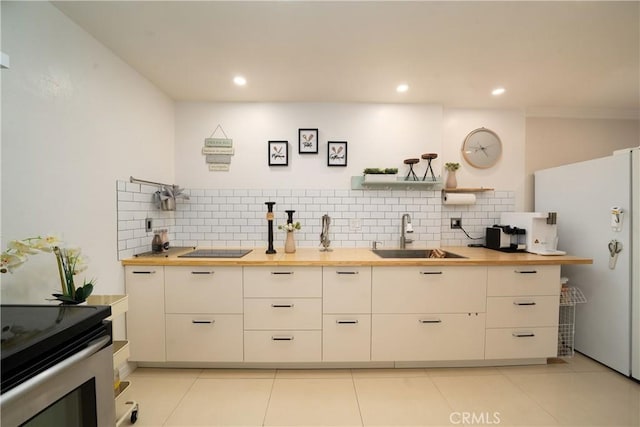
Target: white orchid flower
{"type": "Point", "coordinates": [46, 243]}
{"type": "Point", "coordinates": [22, 247]}
{"type": "Point", "coordinates": [9, 261]}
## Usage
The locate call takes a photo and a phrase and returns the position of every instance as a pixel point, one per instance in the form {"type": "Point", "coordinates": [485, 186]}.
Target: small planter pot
{"type": "Point", "coordinates": [383, 177]}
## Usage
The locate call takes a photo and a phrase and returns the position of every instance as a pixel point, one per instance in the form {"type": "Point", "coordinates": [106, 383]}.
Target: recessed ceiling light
{"type": "Point", "coordinates": [402, 88]}
{"type": "Point", "coordinates": [239, 80]}
{"type": "Point", "coordinates": [498, 91]}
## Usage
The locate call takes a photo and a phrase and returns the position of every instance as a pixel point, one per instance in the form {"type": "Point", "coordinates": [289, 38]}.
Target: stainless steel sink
{"type": "Point", "coordinates": [414, 253]}
{"type": "Point", "coordinates": [216, 253]}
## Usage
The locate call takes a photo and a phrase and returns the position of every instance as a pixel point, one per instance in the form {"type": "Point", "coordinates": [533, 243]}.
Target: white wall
{"type": "Point", "coordinates": [508, 173]}
{"type": "Point", "coordinates": [556, 141]}
{"type": "Point", "coordinates": [75, 119]}
{"type": "Point", "coordinates": [378, 135]}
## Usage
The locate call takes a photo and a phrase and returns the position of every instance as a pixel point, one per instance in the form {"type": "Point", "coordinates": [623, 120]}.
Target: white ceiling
{"type": "Point", "coordinates": [548, 55]}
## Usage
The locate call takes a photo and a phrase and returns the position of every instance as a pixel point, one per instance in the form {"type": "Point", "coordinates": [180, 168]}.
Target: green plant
{"type": "Point", "coordinates": [452, 166]}
{"type": "Point", "coordinates": [380, 171]}
{"type": "Point", "coordinates": [70, 262]}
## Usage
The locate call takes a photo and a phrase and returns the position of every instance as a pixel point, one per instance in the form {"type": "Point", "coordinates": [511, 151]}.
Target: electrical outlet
{"type": "Point", "coordinates": [456, 223]}
{"type": "Point", "coordinates": [148, 224]}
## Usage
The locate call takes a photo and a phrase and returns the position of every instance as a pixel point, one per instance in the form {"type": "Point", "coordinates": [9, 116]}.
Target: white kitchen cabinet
{"type": "Point", "coordinates": [429, 289]}
{"type": "Point", "coordinates": [521, 343]}
{"type": "Point", "coordinates": [346, 289]}
{"type": "Point", "coordinates": [282, 346]}
{"type": "Point", "coordinates": [522, 280]}
{"type": "Point", "coordinates": [288, 282]}
{"type": "Point", "coordinates": [516, 311]}
{"type": "Point", "coordinates": [204, 337]}
{"type": "Point", "coordinates": [428, 313]}
{"type": "Point", "coordinates": [522, 312]}
{"type": "Point", "coordinates": [145, 318]}
{"type": "Point", "coordinates": [346, 337]}
{"type": "Point", "coordinates": [282, 314]}
{"type": "Point", "coordinates": [346, 325]}
{"type": "Point", "coordinates": [427, 337]}
{"type": "Point", "coordinates": [204, 321]}
{"type": "Point", "coordinates": [203, 289]}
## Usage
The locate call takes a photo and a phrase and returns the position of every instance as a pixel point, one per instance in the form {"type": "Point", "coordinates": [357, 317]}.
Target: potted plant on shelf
{"type": "Point", "coordinates": [452, 181]}
{"type": "Point", "coordinates": [70, 262]}
{"type": "Point", "coordinates": [380, 175]}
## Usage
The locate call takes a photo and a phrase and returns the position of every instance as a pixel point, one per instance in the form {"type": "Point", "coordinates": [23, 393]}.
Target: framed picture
{"type": "Point", "coordinates": [307, 141]}
{"type": "Point", "coordinates": [337, 153]}
{"type": "Point", "coordinates": [278, 153]}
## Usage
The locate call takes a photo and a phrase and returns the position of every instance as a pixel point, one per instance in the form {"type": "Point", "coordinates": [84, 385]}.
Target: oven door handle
{"type": "Point", "coordinates": [16, 392]}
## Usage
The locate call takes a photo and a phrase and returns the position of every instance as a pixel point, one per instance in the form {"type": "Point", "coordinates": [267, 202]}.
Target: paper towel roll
{"type": "Point", "coordinates": [459, 199]}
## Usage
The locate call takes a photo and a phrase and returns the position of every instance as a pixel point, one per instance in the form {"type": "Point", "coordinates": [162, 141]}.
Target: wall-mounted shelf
{"type": "Point", "coordinates": [466, 190]}
{"type": "Point", "coordinates": [358, 183]}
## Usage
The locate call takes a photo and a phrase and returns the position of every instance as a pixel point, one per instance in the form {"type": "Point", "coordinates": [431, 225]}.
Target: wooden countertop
{"type": "Point", "coordinates": [358, 256]}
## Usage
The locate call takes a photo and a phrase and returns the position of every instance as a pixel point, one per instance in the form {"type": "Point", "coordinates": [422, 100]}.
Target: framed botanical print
{"type": "Point", "coordinates": [308, 141]}
{"type": "Point", "coordinates": [337, 153]}
{"type": "Point", "coordinates": [278, 153]}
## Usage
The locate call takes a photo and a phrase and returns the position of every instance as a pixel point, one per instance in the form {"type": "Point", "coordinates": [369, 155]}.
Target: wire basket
{"type": "Point", "coordinates": [569, 297]}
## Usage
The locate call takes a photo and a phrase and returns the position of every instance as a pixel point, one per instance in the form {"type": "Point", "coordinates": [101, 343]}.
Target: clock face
{"type": "Point", "coordinates": [482, 148]}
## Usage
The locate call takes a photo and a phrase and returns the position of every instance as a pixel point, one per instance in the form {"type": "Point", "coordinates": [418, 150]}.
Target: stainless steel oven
{"type": "Point", "coordinates": [57, 367]}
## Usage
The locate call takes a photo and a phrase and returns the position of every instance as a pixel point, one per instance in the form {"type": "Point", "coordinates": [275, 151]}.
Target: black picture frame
{"type": "Point", "coordinates": [337, 153]}
{"type": "Point", "coordinates": [278, 153]}
{"type": "Point", "coordinates": [307, 141]}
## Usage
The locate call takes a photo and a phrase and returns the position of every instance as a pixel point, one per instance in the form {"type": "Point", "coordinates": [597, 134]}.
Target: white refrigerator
{"type": "Point", "coordinates": [583, 194]}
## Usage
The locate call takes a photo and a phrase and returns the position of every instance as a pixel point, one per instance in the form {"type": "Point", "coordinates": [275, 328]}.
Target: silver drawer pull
{"type": "Point", "coordinates": [202, 272]}
{"type": "Point", "coordinates": [203, 322]}
{"type": "Point", "coordinates": [430, 272]}
{"type": "Point", "coordinates": [281, 338]}
{"type": "Point", "coordinates": [346, 322]}
{"type": "Point", "coordinates": [282, 305]}
{"type": "Point", "coordinates": [281, 272]}
{"type": "Point", "coordinates": [523, 334]}
{"type": "Point", "coordinates": [524, 303]}
{"type": "Point", "coordinates": [144, 272]}
{"type": "Point", "coordinates": [525, 271]}
{"type": "Point", "coordinates": [430, 321]}
{"type": "Point", "coordinates": [347, 272]}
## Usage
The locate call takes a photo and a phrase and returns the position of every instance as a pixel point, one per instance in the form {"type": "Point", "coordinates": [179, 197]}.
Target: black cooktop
{"type": "Point", "coordinates": [30, 331]}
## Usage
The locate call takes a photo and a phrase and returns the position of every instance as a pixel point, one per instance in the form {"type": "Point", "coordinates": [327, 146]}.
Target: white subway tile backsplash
{"type": "Point", "coordinates": [236, 217]}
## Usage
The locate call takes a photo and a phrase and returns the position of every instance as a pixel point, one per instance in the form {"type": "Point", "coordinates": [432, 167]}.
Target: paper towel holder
{"type": "Point", "coordinates": [462, 190]}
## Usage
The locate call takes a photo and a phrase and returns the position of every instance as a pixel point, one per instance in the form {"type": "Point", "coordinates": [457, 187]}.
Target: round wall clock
{"type": "Point", "coordinates": [482, 148]}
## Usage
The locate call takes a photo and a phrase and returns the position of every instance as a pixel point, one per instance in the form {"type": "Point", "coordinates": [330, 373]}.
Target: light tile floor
{"type": "Point", "coordinates": [579, 392]}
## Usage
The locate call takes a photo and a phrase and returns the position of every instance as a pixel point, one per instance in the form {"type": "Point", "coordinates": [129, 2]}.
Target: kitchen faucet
{"type": "Point", "coordinates": [405, 228]}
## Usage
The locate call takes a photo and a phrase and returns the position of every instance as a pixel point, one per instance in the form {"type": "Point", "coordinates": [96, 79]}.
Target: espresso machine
{"type": "Point", "coordinates": [541, 230]}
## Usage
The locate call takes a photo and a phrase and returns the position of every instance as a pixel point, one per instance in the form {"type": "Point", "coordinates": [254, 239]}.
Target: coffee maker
{"type": "Point", "coordinates": [541, 230]}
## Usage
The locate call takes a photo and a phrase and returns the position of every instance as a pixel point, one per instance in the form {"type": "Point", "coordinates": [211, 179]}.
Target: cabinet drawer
{"type": "Point", "coordinates": [346, 337]}
{"type": "Point", "coordinates": [204, 337]}
{"type": "Point", "coordinates": [145, 318]}
{"type": "Point", "coordinates": [524, 280]}
{"type": "Point", "coordinates": [414, 337]}
{"type": "Point", "coordinates": [346, 289]}
{"type": "Point", "coordinates": [282, 313]}
{"type": "Point", "coordinates": [429, 289]}
{"type": "Point", "coordinates": [203, 289]}
{"type": "Point", "coordinates": [521, 343]}
{"type": "Point", "coordinates": [282, 346]}
{"type": "Point", "coordinates": [522, 311]}
{"type": "Point", "coordinates": [282, 282]}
